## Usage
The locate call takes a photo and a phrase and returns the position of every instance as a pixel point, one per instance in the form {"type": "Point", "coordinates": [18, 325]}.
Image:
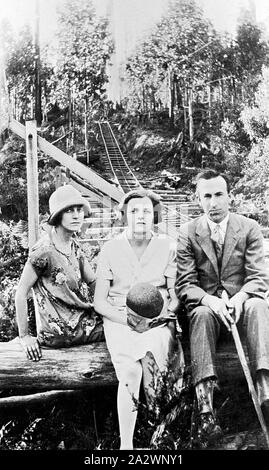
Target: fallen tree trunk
{"type": "Point", "coordinates": [81, 367]}
{"type": "Point", "coordinates": [227, 365]}
{"type": "Point", "coordinates": [33, 399]}
{"type": "Point", "coordinates": [78, 367]}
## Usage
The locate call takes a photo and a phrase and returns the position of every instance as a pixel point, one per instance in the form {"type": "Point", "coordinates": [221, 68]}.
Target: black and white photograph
{"type": "Point", "coordinates": [134, 231]}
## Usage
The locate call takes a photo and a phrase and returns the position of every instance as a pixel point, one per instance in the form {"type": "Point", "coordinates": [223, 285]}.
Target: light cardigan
{"type": "Point", "coordinates": [119, 264]}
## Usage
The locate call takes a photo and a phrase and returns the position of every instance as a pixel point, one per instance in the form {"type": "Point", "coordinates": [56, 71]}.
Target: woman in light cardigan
{"type": "Point", "coordinates": [136, 255]}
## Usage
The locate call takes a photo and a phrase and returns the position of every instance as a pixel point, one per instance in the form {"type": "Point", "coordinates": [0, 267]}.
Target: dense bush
{"type": "Point", "coordinates": [254, 183]}
{"type": "Point", "coordinates": [13, 181]}
{"type": "Point", "coordinates": [13, 255]}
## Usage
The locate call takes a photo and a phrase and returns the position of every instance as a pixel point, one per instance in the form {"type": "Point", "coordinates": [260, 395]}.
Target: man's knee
{"type": "Point", "coordinates": [201, 313]}
{"type": "Point", "coordinates": [257, 305]}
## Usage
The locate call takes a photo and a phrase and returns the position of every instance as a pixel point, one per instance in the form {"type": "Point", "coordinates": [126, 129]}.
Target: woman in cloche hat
{"type": "Point", "coordinates": [59, 274]}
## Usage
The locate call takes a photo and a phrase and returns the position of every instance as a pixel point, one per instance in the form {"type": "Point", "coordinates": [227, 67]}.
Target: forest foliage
{"type": "Point", "coordinates": [184, 75]}
{"type": "Point", "coordinates": [191, 97]}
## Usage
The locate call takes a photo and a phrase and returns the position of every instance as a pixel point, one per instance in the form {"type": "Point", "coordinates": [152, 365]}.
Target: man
{"type": "Point", "coordinates": [222, 251]}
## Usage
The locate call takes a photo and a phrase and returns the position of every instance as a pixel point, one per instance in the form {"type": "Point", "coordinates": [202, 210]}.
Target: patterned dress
{"type": "Point", "coordinates": [64, 314]}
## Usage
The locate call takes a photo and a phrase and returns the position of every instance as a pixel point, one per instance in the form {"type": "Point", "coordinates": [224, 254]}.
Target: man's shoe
{"type": "Point", "coordinates": [208, 428]}
{"type": "Point", "coordinates": [265, 412]}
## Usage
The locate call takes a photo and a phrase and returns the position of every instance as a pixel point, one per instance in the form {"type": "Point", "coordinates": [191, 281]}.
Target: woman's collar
{"type": "Point", "coordinates": [128, 235]}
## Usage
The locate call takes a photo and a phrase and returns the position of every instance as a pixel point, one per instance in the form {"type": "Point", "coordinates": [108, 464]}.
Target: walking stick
{"type": "Point", "coordinates": [247, 373]}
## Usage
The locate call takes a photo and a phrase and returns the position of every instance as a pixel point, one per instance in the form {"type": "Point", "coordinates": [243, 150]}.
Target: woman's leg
{"type": "Point", "coordinates": [128, 392]}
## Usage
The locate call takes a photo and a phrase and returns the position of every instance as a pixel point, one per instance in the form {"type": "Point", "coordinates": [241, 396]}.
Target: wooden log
{"type": "Point", "coordinates": [82, 367]}
{"type": "Point", "coordinates": [34, 398]}
{"type": "Point", "coordinates": [78, 367]}
{"type": "Point", "coordinates": [227, 363]}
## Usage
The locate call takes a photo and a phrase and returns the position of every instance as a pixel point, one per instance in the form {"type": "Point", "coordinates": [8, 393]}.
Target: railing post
{"type": "Point", "coordinates": [32, 182]}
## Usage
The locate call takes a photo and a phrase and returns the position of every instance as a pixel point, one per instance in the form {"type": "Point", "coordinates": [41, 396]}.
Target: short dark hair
{"type": "Point", "coordinates": [140, 193]}
{"type": "Point", "coordinates": [57, 220]}
{"type": "Point", "coordinates": [209, 175]}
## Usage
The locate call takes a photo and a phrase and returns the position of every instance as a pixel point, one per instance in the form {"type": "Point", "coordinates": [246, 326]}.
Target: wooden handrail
{"type": "Point", "coordinates": [83, 171]}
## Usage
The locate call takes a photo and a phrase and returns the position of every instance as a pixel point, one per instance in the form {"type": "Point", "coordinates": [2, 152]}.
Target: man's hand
{"type": "Point", "coordinates": [219, 307]}
{"type": "Point", "coordinates": [237, 303]}
{"type": "Point", "coordinates": [31, 347]}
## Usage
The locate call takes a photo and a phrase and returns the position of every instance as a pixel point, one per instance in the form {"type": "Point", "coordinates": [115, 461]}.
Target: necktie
{"type": "Point", "coordinates": [218, 240]}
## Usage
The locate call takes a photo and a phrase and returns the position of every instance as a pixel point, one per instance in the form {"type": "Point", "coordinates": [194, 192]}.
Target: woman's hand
{"type": "Point", "coordinates": [137, 323]}
{"type": "Point", "coordinates": [103, 307]}
{"type": "Point", "coordinates": [31, 346]}
{"type": "Point", "coordinates": [173, 305]}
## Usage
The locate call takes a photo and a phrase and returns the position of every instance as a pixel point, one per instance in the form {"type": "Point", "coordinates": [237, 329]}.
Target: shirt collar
{"type": "Point", "coordinates": [222, 224]}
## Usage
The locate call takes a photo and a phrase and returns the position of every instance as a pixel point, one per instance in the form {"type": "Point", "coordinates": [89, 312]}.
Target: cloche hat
{"type": "Point", "coordinates": [64, 197]}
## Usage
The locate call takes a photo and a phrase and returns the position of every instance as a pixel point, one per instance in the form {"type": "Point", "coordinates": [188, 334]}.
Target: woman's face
{"type": "Point", "coordinates": [140, 216]}
{"type": "Point", "coordinates": [72, 218]}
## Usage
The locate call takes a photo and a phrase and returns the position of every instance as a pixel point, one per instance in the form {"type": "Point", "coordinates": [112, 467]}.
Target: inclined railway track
{"type": "Point", "coordinates": [176, 208]}
{"type": "Point", "coordinates": [115, 165]}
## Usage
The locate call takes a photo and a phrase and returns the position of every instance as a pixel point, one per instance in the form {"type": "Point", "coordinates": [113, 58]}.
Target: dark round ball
{"type": "Point", "coordinates": [145, 300]}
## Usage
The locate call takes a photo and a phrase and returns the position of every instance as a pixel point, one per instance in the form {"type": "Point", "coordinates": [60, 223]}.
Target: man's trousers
{"type": "Point", "coordinates": [205, 330]}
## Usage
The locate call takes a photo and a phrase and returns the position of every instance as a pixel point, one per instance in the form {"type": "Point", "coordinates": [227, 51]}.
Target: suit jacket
{"type": "Point", "coordinates": [243, 265]}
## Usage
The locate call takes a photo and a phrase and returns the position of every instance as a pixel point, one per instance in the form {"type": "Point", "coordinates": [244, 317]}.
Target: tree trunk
{"type": "Point", "coordinates": [234, 90]}
{"type": "Point", "coordinates": [38, 110]}
{"type": "Point", "coordinates": [172, 98]}
{"type": "Point", "coordinates": [179, 98]}
{"type": "Point", "coordinates": [71, 123]}
{"type": "Point", "coordinates": [222, 97]}
{"type": "Point", "coordinates": [191, 132]}
{"type": "Point", "coordinates": [143, 99]}
{"type": "Point", "coordinates": [67, 368]}
{"type": "Point", "coordinates": [34, 398]}
{"type": "Point", "coordinates": [86, 129]}
{"type": "Point", "coordinates": [209, 105]}
{"type": "Point", "coordinates": [83, 367]}
{"type": "Point", "coordinates": [185, 105]}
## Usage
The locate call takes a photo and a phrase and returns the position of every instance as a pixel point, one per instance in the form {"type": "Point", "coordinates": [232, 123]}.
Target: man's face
{"type": "Point", "coordinates": [214, 198]}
